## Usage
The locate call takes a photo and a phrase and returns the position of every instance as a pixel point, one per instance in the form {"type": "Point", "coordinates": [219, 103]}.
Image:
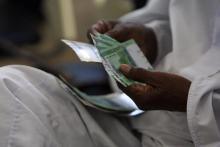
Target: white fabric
{"type": "Point", "coordinates": [195, 54]}
{"type": "Point", "coordinates": [35, 111]}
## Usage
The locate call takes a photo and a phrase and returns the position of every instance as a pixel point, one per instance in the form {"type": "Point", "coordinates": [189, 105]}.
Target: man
{"type": "Point", "coordinates": [37, 110]}
{"type": "Point", "coordinates": [182, 38]}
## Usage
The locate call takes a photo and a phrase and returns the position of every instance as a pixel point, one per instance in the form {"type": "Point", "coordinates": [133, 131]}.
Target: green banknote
{"type": "Point", "coordinates": [114, 57]}
{"type": "Point", "coordinates": [114, 53]}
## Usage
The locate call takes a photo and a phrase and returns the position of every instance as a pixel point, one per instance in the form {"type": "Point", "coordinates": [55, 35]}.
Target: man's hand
{"type": "Point", "coordinates": [156, 90]}
{"type": "Point", "coordinates": [123, 31]}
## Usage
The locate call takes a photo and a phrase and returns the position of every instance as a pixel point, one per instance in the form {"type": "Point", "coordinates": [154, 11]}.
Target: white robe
{"type": "Point", "coordinates": [36, 111]}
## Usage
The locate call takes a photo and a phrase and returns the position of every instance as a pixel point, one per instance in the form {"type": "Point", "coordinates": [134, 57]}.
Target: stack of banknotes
{"type": "Point", "coordinates": [111, 54]}
{"type": "Point", "coordinates": [114, 53]}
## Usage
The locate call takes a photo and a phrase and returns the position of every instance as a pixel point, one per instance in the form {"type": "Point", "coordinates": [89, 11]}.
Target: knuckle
{"type": "Point", "coordinates": [137, 71]}
{"type": "Point", "coordinates": [114, 33]}
{"type": "Point", "coordinates": [140, 70]}
{"type": "Point", "coordinates": [133, 73]}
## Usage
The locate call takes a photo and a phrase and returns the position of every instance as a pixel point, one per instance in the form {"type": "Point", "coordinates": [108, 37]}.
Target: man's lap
{"type": "Point", "coordinates": [38, 111]}
{"type": "Point", "coordinates": [34, 109]}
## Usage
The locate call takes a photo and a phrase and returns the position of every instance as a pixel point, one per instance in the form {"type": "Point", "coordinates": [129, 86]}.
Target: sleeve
{"type": "Point", "coordinates": [203, 106]}
{"type": "Point", "coordinates": [156, 16]}
{"type": "Point", "coordinates": [203, 111]}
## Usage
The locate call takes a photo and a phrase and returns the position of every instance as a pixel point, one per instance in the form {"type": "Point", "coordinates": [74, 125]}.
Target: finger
{"type": "Point", "coordinates": [90, 31]}
{"type": "Point", "coordinates": [119, 34]}
{"type": "Point", "coordinates": [145, 96]}
{"type": "Point", "coordinates": [99, 26]}
{"type": "Point", "coordinates": [140, 94]}
{"type": "Point", "coordinates": [111, 24]}
{"type": "Point", "coordinates": [140, 75]}
{"type": "Point", "coordinates": [137, 89]}
{"type": "Point", "coordinates": [103, 26]}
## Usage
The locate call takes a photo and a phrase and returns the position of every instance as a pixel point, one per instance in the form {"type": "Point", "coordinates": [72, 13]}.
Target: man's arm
{"type": "Point", "coordinates": [156, 16]}
{"type": "Point", "coordinates": [153, 11]}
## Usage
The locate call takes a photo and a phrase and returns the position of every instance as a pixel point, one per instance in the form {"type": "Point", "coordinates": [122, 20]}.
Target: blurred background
{"type": "Point", "coordinates": [31, 30]}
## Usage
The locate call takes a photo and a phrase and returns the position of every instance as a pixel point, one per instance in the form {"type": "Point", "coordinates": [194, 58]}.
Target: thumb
{"type": "Point", "coordinates": [140, 75]}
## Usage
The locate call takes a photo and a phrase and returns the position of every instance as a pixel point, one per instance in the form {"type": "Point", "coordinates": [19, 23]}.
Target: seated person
{"type": "Point", "coordinates": [181, 101]}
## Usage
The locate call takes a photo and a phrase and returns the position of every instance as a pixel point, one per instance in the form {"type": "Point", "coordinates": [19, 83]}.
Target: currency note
{"type": "Point", "coordinates": [86, 52]}
{"type": "Point", "coordinates": [114, 53]}
{"type": "Point", "coordinates": [113, 58]}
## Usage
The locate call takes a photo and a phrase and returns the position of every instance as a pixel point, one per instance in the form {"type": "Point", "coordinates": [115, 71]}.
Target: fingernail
{"type": "Point", "coordinates": [125, 68]}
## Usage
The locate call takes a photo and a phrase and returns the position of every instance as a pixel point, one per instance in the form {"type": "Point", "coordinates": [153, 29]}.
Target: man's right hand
{"type": "Point", "coordinates": [123, 31]}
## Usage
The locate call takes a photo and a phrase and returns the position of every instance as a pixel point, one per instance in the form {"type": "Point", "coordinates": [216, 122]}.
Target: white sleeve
{"type": "Point", "coordinates": [156, 16]}
{"type": "Point", "coordinates": [203, 111]}
{"type": "Point", "coordinates": [203, 106]}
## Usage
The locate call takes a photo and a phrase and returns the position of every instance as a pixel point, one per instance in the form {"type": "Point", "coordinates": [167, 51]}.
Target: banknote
{"type": "Point", "coordinates": [114, 53]}
{"type": "Point", "coordinates": [113, 57]}
{"type": "Point", "coordinates": [86, 52]}
{"type": "Point", "coordinates": [131, 47]}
